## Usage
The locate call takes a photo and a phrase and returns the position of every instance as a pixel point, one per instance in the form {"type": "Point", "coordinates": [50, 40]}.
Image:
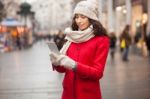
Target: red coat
{"type": "Point", "coordinates": [91, 58]}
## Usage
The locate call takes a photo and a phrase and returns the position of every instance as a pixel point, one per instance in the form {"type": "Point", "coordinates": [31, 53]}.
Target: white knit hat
{"type": "Point", "coordinates": [89, 8]}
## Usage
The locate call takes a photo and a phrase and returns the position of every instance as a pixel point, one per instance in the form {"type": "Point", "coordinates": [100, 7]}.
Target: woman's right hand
{"type": "Point", "coordinates": [62, 60]}
{"type": "Point", "coordinates": [53, 58]}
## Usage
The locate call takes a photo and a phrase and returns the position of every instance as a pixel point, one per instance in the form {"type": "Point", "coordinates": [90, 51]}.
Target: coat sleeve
{"type": "Point", "coordinates": [95, 71]}
{"type": "Point", "coordinates": [59, 69]}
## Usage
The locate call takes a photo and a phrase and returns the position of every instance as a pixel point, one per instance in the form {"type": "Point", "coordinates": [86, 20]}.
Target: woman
{"type": "Point", "coordinates": [125, 37]}
{"type": "Point", "coordinates": [113, 40]}
{"type": "Point", "coordinates": [84, 54]}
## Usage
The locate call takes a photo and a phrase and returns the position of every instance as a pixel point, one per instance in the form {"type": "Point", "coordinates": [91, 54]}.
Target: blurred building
{"type": "Point", "coordinates": [2, 12]}
{"type": "Point", "coordinates": [11, 7]}
{"type": "Point", "coordinates": [52, 14]}
{"type": "Point", "coordinates": [132, 12]}
{"type": "Point", "coordinates": [57, 14]}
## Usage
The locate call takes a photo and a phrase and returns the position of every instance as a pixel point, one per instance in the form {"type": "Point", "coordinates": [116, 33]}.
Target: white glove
{"type": "Point", "coordinates": [62, 60]}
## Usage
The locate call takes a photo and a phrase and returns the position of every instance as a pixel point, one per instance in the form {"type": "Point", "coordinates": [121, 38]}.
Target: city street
{"type": "Point", "coordinates": [27, 74]}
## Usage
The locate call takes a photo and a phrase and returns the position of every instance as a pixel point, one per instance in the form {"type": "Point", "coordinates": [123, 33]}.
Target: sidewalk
{"type": "Point", "coordinates": [127, 80]}
{"type": "Point", "coordinates": [27, 74]}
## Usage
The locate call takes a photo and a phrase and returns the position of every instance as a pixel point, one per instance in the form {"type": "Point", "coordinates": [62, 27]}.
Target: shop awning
{"type": "Point", "coordinates": [10, 22]}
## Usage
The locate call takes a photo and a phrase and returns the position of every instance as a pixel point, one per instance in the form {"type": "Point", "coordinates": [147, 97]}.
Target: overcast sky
{"type": "Point", "coordinates": [29, 1]}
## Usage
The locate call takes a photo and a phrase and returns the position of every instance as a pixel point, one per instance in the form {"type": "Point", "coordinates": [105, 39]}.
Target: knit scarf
{"type": "Point", "coordinates": [76, 37]}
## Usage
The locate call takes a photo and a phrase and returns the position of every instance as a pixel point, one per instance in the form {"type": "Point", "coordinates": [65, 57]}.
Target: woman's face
{"type": "Point", "coordinates": [82, 21]}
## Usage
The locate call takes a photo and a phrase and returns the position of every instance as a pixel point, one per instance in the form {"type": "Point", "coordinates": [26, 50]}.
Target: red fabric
{"type": "Point", "coordinates": [91, 58]}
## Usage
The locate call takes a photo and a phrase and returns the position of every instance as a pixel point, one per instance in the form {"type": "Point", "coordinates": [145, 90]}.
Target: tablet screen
{"type": "Point", "coordinates": [53, 47]}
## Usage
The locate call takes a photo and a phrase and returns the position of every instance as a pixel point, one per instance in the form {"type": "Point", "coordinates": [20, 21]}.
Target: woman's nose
{"type": "Point", "coordinates": [79, 20]}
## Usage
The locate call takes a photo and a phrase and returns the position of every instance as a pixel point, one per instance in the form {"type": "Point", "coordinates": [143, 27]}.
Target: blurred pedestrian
{"type": "Point", "coordinates": [18, 41]}
{"type": "Point", "coordinates": [59, 39]}
{"type": "Point", "coordinates": [125, 41]}
{"type": "Point", "coordinates": [83, 56]}
{"type": "Point", "coordinates": [148, 43]}
{"type": "Point", "coordinates": [113, 40]}
{"type": "Point", "coordinates": [138, 34]}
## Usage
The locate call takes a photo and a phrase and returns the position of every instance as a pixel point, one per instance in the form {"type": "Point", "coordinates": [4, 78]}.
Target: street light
{"type": "Point", "coordinates": [25, 10]}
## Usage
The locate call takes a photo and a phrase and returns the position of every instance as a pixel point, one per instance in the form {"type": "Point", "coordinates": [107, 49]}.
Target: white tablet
{"type": "Point", "coordinates": [53, 47]}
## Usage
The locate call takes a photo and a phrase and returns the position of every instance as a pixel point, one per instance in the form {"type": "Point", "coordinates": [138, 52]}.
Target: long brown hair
{"type": "Point", "coordinates": [98, 28]}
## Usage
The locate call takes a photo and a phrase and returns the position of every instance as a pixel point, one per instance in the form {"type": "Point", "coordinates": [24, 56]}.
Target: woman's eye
{"type": "Point", "coordinates": [76, 17]}
{"type": "Point", "coordinates": [83, 17]}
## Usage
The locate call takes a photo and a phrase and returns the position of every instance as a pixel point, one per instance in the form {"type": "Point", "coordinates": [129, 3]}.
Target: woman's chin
{"type": "Point", "coordinates": [82, 29]}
